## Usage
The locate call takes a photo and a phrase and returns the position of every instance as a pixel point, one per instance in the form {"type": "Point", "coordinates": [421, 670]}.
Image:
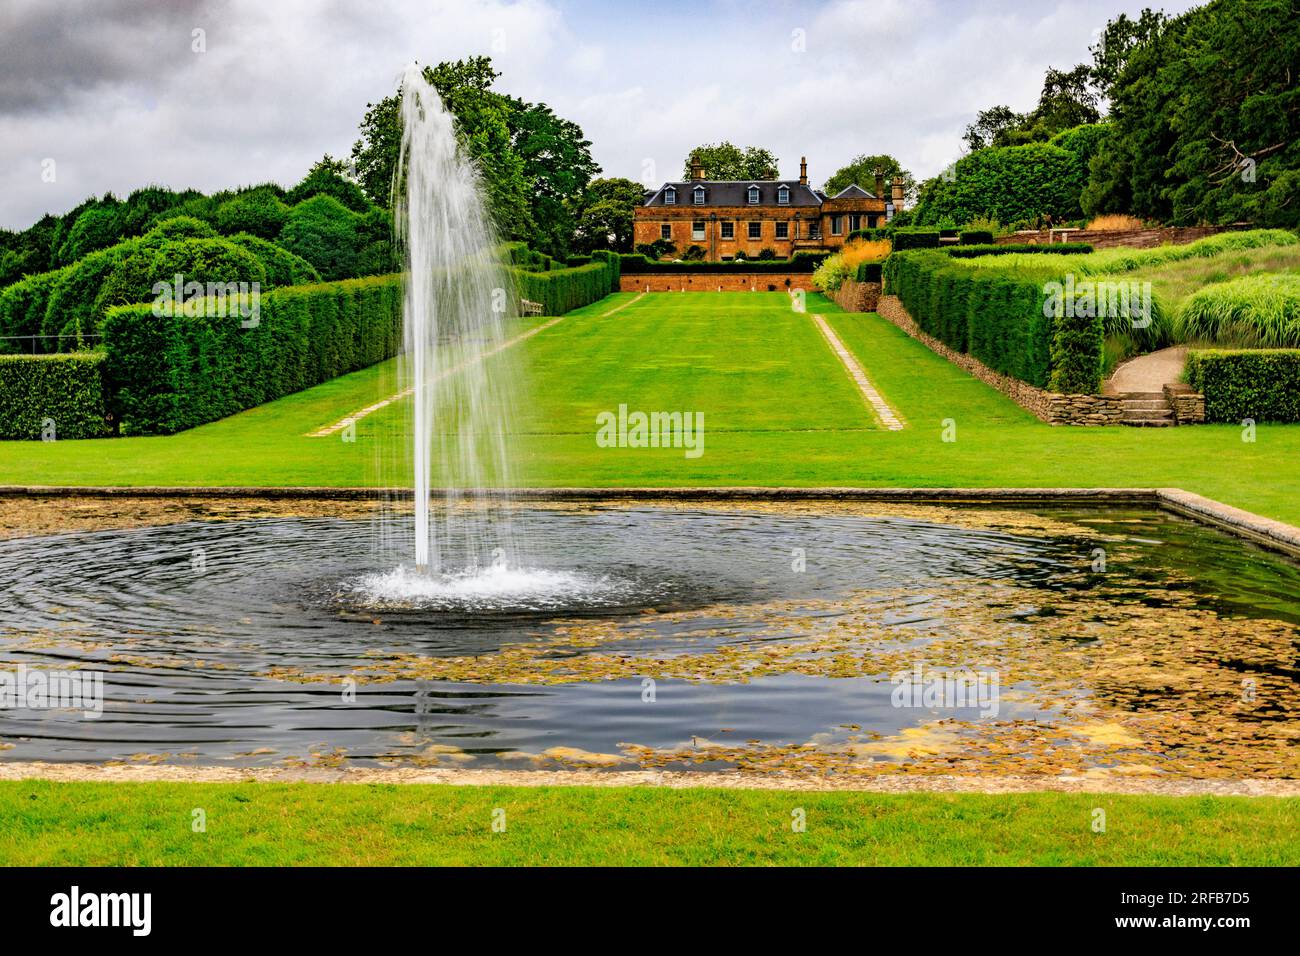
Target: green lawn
{"type": "Point", "coordinates": [778, 409]}
{"type": "Point", "coordinates": [45, 823]}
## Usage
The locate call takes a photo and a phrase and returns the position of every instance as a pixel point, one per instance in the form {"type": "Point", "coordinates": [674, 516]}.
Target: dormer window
{"type": "Point", "coordinates": [670, 196]}
{"type": "Point", "coordinates": [783, 196]}
{"type": "Point", "coordinates": [699, 195]}
{"type": "Point", "coordinates": [753, 195]}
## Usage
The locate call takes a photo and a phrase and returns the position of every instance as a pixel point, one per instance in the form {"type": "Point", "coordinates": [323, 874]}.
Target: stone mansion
{"type": "Point", "coordinates": [730, 217]}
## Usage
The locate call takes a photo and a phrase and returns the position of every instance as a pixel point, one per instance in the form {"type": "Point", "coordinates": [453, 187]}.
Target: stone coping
{"type": "Point", "coordinates": [1276, 535]}
{"type": "Point", "coordinates": [1095, 782]}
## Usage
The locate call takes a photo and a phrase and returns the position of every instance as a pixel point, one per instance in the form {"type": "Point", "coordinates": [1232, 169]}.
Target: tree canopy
{"type": "Point", "coordinates": [727, 161]}
{"type": "Point", "coordinates": [862, 172]}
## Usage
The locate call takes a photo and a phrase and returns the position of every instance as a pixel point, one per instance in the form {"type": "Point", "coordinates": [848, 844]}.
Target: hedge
{"type": "Point", "coordinates": [1259, 384]}
{"type": "Point", "coordinates": [997, 317]}
{"type": "Point", "coordinates": [168, 373]}
{"type": "Point", "coordinates": [1059, 248]}
{"type": "Point", "coordinates": [66, 390]}
{"type": "Point", "coordinates": [976, 237]}
{"type": "Point", "coordinates": [912, 238]}
{"type": "Point", "coordinates": [562, 290]}
{"type": "Point", "coordinates": [869, 271]}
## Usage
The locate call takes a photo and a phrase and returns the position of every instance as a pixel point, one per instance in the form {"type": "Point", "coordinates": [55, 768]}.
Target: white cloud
{"type": "Point", "coordinates": [283, 82]}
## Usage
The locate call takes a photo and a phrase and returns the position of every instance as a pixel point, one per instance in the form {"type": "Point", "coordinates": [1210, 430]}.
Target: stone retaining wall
{"type": "Point", "coordinates": [1114, 238]}
{"type": "Point", "coordinates": [854, 296]}
{"type": "Point", "coordinates": [1187, 403]}
{"type": "Point", "coordinates": [1054, 408]}
{"type": "Point", "coordinates": [715, 281]}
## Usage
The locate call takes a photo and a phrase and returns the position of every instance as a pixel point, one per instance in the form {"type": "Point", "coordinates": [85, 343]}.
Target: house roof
{"type": "Point", "coordinates": [853, 191]}
{"type": "Point", "coordinates": [735, 192]}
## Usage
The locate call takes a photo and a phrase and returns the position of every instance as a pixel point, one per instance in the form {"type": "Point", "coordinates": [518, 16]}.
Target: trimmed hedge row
{"type": "Point", "coordinates": [1259, 384]}
{"type": "Point", "coordinates": [1060, 248]}
{"type": "Point", "coordinates": [997, 317]}
{"type": "Point", "coordinates": [562, 290]}
{"type": "Point", "coordinates": [65, 392]}
{"type": "Point", "coordinates": [869, 271]}
{"type": "Point", "coordinates": [976, 237]}
{"type": "Point", "coordinates": [166, 374]}
{"type": "Point", "coordinates": [912, 238]}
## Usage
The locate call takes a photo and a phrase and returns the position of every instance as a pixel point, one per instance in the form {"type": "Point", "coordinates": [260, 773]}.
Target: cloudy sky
{"type": "Point", "coordinates": [124, 93]}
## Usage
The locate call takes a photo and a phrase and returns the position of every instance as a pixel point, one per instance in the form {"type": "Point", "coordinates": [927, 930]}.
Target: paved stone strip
{"type": "Point", "coordinates": [343, 423]}
{"type": "Point", "coordinates": [1276, 535]}
{"type": "Point", "coordinates": [886, 414]}
{"type": "Point", "coordinates": [666, 779]}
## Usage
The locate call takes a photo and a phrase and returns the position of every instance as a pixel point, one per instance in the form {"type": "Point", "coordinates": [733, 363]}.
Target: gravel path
{"type": "Point", "coordinates": [1150, 372]}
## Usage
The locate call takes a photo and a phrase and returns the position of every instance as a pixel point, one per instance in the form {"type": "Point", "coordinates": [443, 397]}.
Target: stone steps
{"type": "Point", "coordinates": [1146, 410]}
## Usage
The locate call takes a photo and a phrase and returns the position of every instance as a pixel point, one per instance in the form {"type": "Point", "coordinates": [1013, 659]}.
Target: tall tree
{"type": "Point", "coordinates": [605, 216]}
{"type": "Point", "coordinates": [727, 161]}
{"type": "Point", "coordinates": [1122, 35]}
{"type": "Point", "coordinates": [482, 125]}
{"type": "Point", "coordinates": [862, 171]}
{"type": "Point", "coordinates": [558, 166]}
{"type": "Point", "coordinates": [534, 163]}
{"type": "Point", "coordinates": [991, 127]}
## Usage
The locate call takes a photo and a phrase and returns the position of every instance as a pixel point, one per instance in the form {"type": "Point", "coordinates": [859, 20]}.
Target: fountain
{"type": "Point", "coordinates": [456, 310]}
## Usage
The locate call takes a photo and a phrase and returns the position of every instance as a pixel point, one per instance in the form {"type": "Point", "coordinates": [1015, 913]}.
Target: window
{"type": "Point", "coordinates": [814, 230]}
{"type": "Point", "coordinates": [783, 196]}
{"type": "Point", "coordinates": [783, 230]}
{"type": "Point", "coordinates": [756, 230]}
{"type": "Point", "coordinates": [855, 221]}
{"type": "Point", "coordinates": [699, 195]}
{"type": "Point", "coordinates": [837, 225]}
{"type": "Point", "coordinates": [873, 222]}
{"type": "Point", "coordinates": [670, 196]}
{"type": "Point", "coordinates": [728, 230]}
{"type": "Point", "coordinates": [697, 229]}
{"type": "Point", "coordinates": [753, 195]}
{"type": "Point", "coordinates": [665, 231]}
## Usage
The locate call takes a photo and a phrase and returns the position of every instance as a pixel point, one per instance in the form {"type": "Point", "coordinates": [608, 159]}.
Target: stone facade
{"type": "Point", "coordinates": [714, 281]}
{"type": "Point", "coordinates": [785, 215]}
{"type": "Point", "coordinates": [1054, 408]}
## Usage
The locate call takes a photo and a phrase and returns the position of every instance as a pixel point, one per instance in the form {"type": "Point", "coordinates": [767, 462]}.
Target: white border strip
{"type": "Point", "coordinates": [887, 416]}
{"type": "Point", "coordinates": [343, 423]}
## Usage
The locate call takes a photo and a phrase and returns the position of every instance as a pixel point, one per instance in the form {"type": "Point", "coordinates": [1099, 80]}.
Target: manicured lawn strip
{"type": "Point", "coordinates": [48, 823]}
{"type": "Point", "coordinates": [998, 443]}
{"type": "Point", "coordinates": [779, 410]}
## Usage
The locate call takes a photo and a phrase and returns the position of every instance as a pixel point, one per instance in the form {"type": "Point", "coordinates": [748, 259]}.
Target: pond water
{"type": "Point", "coordinates": [769, 638]}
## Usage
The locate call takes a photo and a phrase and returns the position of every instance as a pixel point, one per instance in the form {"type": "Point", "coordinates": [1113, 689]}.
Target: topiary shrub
{"type": "Point", "coordinates": [282, 266]}
{"type": "Point", "coordinates": [258, 213]}
{"type": "Point", "coordinates": [976, 237]}
{"type": "Point", "coordinates": [324, 232]}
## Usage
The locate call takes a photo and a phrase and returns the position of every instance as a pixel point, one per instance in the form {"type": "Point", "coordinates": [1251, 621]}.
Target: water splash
{"type": "Point", "coordinates": [456, 310]}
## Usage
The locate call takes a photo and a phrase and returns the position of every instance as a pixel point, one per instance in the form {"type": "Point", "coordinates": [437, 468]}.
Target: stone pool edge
{"type": "Point", "coordinates": [665, 779]}
{"type": "Point", "coordinates": [1267, 532]}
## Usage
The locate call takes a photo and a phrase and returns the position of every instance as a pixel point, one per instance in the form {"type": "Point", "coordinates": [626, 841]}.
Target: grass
{"type": "Point", "coordinates": [1260, 311]}
{"type": "Point", "coordinates": [132, 824]}
{"type": "Point", "coordinates": [778, 409]}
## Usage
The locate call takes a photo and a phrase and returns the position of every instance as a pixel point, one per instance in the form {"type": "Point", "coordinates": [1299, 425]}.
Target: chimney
{"type": "Point", "coordinates": [803, 170]}
{"type": "Point", "coordinates": [697, 171]}
{"type": "Point", "coordinates": [898, 195]}
{"type": "Point", "coordinates": [880, 183]}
